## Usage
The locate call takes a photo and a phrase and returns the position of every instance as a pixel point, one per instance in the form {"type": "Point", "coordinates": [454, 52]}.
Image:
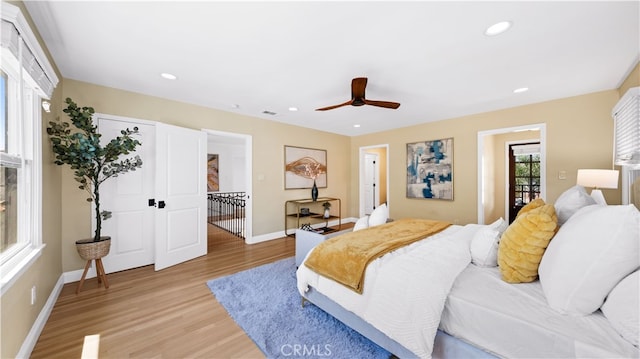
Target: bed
{"type": "Point", "coordinates": [437, 297]}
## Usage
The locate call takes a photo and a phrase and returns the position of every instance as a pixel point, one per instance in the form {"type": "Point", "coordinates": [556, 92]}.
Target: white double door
{"type": "Point", "coordinates": [159, 210]}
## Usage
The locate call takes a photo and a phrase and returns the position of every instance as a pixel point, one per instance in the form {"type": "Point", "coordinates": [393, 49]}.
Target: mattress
{"type": "Point", "coordinates": [405, 290]}
{"type": "Point", "coordinates": [514, 321]}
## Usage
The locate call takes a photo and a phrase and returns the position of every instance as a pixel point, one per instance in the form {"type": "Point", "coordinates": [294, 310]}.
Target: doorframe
{"type": "Point", "coordinates": [248, 151]}
{"type": "Point", "coordinates": [361, 176]}
{"type": "Point", "coordinates": [542, 127]}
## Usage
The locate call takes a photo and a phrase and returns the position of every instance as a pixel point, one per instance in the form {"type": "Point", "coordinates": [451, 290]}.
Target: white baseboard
{"type": "Point", "coordinates": [36, 329]}
{"type": "Point", "coordinates": [74, 276]}
{"type": "Point", "coordinates": [264, 237]}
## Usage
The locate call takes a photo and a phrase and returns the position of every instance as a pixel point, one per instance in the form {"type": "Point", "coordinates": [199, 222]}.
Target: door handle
{"type": "Point", "coordinates": [161, 204]}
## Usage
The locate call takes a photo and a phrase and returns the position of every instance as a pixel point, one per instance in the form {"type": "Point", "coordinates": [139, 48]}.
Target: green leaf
{"type": "Point", "coordinates": [79, 147]}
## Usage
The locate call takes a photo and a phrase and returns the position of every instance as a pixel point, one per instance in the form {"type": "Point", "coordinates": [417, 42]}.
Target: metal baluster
{"type": "Point", "coordinates": [228, 208]}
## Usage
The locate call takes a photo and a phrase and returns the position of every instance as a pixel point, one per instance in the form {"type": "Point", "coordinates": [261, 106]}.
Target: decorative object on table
{"type": "Point", "coordinates": [304, 211]}
{"type": "Point", "coordinates": [265, 303]}
{"type": "Point", "coordinates": [306, 227]}
{"type": "Point", "coordinates": [598, 179]}
{"type": "Point", "coordinates": [430, 169]}
{"type": "Point", "coordinates": [305, 168]}
{"type": "Point", "coordinates": [92, 164]}
{"type": "Point", "coordinates": [327, 210]}
{"type": "Point", "coordinates": [314, 191]}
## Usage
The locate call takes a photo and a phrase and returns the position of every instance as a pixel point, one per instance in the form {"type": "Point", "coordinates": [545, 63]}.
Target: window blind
{"type": "Point", "coordinates": [25, 55]}
{"type": "Point", "coordinates": [626, 116]}
{"type": "Point", "coordinates": [530, 149]}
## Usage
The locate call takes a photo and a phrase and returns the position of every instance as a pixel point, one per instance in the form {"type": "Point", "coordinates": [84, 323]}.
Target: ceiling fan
{"type": "Point", "coordinates": [357, 97]}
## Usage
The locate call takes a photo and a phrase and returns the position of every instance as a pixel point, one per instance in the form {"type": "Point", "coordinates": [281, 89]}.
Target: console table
{"type": "Point", "coordinates": [294, 217]}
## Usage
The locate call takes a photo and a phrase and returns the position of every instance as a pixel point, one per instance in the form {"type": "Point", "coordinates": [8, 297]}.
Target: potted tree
{"type": "Point", "coordinates": [92, 164]}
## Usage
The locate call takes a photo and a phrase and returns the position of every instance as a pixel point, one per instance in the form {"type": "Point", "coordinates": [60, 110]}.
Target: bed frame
{"type": "Point", "coordinates": [445, 346]}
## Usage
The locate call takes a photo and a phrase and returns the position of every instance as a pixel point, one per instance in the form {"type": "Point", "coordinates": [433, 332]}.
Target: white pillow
{"type": "Point", "coordinates": [361, 223]}
{"type": "Point", "coordinates": [500, 225]}
{"type": "Point", "coordinates": [484, 247]}
{"type": "Point", "coordinates": [590, 254]}
{"type": "Point", "coordinates": [571, 201]}
{"type": "Point", "coordinates": [379, 215]}
{"type": "Point", "coordinates": [622, 308]}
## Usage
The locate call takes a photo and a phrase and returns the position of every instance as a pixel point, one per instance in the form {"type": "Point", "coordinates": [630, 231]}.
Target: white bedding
{"type": "Point", "coordinates": [514, 321]}
{"type": "Point", "coordinates": [422, 272]}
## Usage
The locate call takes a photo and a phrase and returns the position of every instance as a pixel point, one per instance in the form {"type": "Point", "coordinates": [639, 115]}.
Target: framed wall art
{"type": "Point", "coordinates": [430, 169]}
{"type": "Point", "coordinates": [304, 165]}
{"type": "Point", "coordinates": [213, 180]}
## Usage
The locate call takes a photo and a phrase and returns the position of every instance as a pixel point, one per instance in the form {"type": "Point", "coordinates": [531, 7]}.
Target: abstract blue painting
{"type": "Point", "coordinates": [430, 169]}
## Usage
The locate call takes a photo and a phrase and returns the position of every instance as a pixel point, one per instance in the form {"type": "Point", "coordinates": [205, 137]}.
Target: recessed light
{"type": "Point", "coordinates": [168, 76]}
{"type": "Point", "coordinates": [521, 90]}
{"type": "Point", "coordinates": [356, 126]}
{"type": "Point", "coordinates": [235, 106]}
{"type": "Point", "coordinates": [293, 109]}
{"type": "Point", "coordinates": [497, 28]}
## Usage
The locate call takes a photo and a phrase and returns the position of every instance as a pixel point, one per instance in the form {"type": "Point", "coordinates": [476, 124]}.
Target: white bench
{"type": "Point", "coordinates": [306, 240]}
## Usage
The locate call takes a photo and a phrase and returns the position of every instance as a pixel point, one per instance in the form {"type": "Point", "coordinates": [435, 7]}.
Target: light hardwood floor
{"type": "Point", "coordinates": [165, 314]}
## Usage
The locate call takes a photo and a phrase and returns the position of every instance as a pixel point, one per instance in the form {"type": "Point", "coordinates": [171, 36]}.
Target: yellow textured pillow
{"type": "Point", "coordinates": [524, 242]}
{"type": "Point", "coordinates": [536, 203]}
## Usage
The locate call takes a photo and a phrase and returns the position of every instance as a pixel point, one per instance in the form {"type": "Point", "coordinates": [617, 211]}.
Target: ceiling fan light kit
{"type": "Point", "coordinates": [358, 98]}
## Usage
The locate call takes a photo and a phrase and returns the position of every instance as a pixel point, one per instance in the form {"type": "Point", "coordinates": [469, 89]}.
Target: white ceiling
{"type": "Point", "coordinates": [432, 57]}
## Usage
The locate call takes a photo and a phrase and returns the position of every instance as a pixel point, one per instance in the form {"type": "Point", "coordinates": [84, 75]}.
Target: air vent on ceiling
{"type": "Point", "coordinates": [267, 112]}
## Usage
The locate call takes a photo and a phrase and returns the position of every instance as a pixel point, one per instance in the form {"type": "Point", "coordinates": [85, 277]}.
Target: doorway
{"type": "Point", "coordinates": [159, 211]}
{"type": "Point", "coordinates": [493, 179]}
{"type": "Point", "coordinates": [524, 175]}
{"type": "Point", "coordinates": [373, 179]}
{"type": "Point", "coordinates": [371, 185]}
{"type": "Point", "coordinates": [234, 174]}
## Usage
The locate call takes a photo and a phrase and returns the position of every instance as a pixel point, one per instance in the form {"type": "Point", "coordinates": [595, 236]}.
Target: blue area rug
{"type": "Point", "coordinates": [265, 303]}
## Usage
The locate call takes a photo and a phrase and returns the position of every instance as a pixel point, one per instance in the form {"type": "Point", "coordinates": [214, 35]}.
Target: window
{"type": "Point", "coordinates": [626, 140]}
{"type": "Point", "coordinates": [527, 176]}
{"type": "Point", "coordinates": [25, 78]}
{"type": "Point", "coordinates": [626, 144]}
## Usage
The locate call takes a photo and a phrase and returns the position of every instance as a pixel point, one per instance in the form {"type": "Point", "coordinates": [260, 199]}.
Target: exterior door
{"type": "Point", "coordinates": [514, 207]}
{"type": "Point", "coordinates": [131, 226]}
{"type": "Point", "coordinates": [181, 195]}
{"type": "Point", "coordinates": [524, 176]}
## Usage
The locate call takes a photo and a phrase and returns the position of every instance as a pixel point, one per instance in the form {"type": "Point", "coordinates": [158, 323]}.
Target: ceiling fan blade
{"type": "Point", "coordinates": [358, 85]}
{"type": "Point", "coordinates": [334, 106]}
{"type": "Point", "coordinates": [385, 104]}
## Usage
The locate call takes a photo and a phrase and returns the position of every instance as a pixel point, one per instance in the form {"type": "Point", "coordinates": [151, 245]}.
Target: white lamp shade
{"type": "Point", "coordinates": [596, 178]}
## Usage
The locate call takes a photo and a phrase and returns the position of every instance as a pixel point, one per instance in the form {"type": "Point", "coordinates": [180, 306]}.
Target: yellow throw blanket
{"type": "Point", "coordinates": [344, 258]}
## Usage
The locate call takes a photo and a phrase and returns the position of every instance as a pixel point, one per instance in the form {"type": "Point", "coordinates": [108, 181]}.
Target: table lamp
{"type": "Point", "coordinates": [598, 179]}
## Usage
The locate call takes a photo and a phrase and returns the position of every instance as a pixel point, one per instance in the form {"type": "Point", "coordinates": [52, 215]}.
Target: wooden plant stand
{"type": "Point", "coordinates": [90, 250]}
{"type": "Point", "coordinates": [100, 274]}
